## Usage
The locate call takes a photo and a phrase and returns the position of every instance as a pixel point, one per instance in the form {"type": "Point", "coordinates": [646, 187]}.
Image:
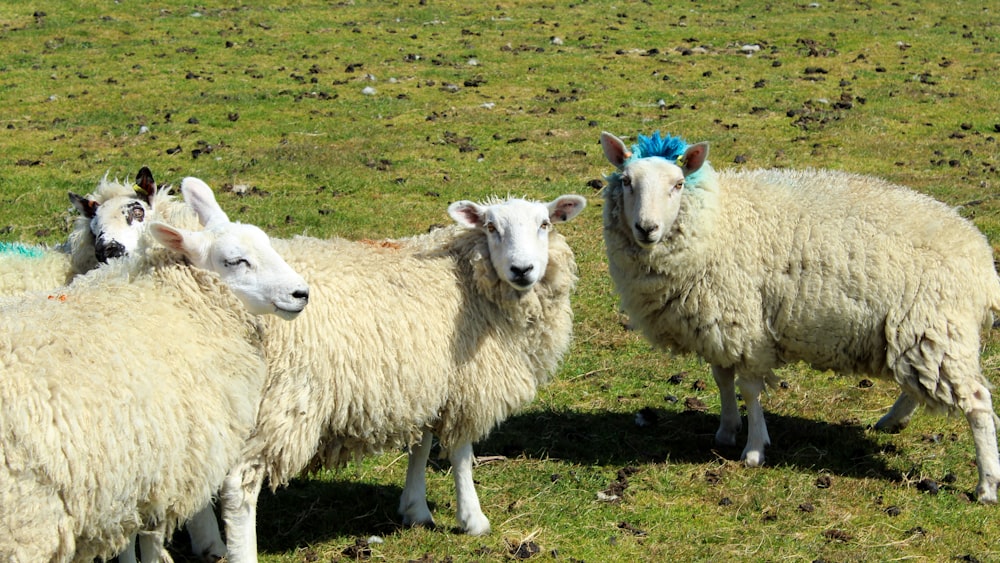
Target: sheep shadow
{"type": "Point", "coordinates": [608, 438]}
{"type": "Point", "coordinates": [311, 511]}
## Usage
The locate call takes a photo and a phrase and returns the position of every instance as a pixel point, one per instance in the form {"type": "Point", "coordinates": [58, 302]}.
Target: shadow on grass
{"type": "Point", "coordinates": [311, 511]}
{"type": "Point", "coordinates": [606, 438]}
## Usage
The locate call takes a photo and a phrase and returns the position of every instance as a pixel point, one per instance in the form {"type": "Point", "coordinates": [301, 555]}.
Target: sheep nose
{"type": "Point", "coordinates": [302, 294]}
{"type": "Point", "coordinates": [105, 252]}
{"type": "Point", "coordinates": [520, 273]}
{"type": "Point", "coordinates": [646, 231]}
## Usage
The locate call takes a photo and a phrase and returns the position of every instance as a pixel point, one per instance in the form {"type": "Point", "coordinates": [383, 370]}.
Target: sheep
{"type": "Point", "coordinates": [111, 220]}
{"type": "Point", "coordinates": [448, 334]}
{"type": "Point", "coordinates": [754, 269]}
{"type": "Point", "coordinates": [31, 267]}
{"type": "Point", "coordinates": [127, 395]}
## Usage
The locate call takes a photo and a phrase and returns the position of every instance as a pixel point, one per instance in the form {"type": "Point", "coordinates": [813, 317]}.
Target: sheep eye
{"type": "Point", "coordinates": [679, 185]}
{"type": "Point", "coordinates": [233, 262]}
{"type": "Point", "coordinates": [491, 227]}
{"type": "Point", "coordinates": [546, 225]}
{"type": "Point", "coordinates": [626, 181]}
{"type": "Point", "coordinates": [135, 212]}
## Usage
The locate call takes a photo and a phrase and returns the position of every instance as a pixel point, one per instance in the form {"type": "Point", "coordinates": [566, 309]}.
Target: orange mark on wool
{"type": "Point", "coordinates": [60, 297]}
{"type": "Point", "coordinates": [381, 243]}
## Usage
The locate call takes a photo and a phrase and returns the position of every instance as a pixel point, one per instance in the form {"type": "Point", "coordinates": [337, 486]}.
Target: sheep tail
{"type": "Point", "coordinates": [995, 303]}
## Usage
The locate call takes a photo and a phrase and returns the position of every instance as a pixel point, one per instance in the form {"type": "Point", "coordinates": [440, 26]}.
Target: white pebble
{"type": "Point", "coordinates": [368, 91]}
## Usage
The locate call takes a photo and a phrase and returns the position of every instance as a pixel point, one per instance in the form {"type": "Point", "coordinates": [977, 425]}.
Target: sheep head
{"type": "Point", "coordinates": [651, 187]}
{"type": "Point", "coordinates": [117, 222]}
{"type": "Point", "coordinates": [240, 254]}
{"type": "Point", "coordinates": [517, 233]}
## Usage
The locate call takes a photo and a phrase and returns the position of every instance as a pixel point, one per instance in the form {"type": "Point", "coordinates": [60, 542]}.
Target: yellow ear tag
{"type": "Point", "coordinates": [680, 161]}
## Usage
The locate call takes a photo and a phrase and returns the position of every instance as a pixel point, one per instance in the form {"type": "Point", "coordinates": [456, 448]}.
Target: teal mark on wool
{"type": "Point", "coordinates": [23, 250]}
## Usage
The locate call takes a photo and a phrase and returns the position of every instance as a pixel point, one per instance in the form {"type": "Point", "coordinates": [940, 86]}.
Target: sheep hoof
{"type": "Point", "coordinates": [427, 522]}
{"type": "Point", "coordinates": [987, 494]}
{"type": "Point", "coordinates": [417, 516]}
{"type": "Point", "coordinates": [753, 458]}
{"type": "Point", "coordinates": [890, 426]}
{"type": "Point", "coordinates": [478, 526]}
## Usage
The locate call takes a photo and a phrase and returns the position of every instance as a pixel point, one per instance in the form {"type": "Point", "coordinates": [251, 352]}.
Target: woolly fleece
{"type": "Point", "coordinates": [102, 436]}
{"type": "Point", "coordinates": [26, 268]}
{"type": "Point", "coordinates": [845, 272]}
{"type": "Point", "coordinates": [402, 336]}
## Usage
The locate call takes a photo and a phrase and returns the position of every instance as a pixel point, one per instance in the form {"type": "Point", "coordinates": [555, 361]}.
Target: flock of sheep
{"type": "Point", "coordinates": [238, 363]}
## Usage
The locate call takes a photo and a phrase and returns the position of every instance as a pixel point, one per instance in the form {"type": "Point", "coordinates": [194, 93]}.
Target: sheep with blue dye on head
{"type": "Point", "coordinates": [444, 334]}
{"type": "Point", "coordinates": [134, 429]}
{"type": "Point", "coordinates": [753, 269]}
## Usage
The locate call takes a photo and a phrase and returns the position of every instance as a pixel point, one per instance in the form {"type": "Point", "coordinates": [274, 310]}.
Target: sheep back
{"type": "Point", "coordinates": [401, 336]}
{"type": "Point", "coordinates": [843, 271]}
{"type": "Point", "coordinates": [123, 404]}
{"type": "Point", "coordinates": [26, 268]}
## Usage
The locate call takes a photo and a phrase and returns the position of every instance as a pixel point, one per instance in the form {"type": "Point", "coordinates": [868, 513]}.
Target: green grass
{"type": "Point", "coordinates": [473, 100]}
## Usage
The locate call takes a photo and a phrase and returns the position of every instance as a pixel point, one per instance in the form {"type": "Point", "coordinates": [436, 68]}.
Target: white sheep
{"type": "Point", "coordinates": [127, 395]}
{"type": "Point", "coordinates": [112, 218]}
{"type": "Point", "coordinates": [443, 334]}
{"type": "Point", "coordinates": [31, 267]}
{"type": "Point", "coordinates": [754, 269]}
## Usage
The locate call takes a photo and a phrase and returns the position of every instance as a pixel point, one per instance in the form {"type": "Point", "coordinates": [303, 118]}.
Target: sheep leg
{"type": "Point", "coordinates": [729, 419]}
{"type": "Point", "coordinates": [899, 415]}
{"type": "Point", "coordinates": [757, 438]}
{"type": "Point", "coordinates": [151, 547]}
{"type": "Point", "coordinates": [206, 541]}
{"type": "Point", "coordinates": [982, 420]}
{"type": "Point", "coordinates": [239, 512]}
{"type": "Point", "coordinates": [470, 514]}
{"type": "Point", "coordinates": [413, 501]}
{"type": "Point", "coordinates": [128, 555]}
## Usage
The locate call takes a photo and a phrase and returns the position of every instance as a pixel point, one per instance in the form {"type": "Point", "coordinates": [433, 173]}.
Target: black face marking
{"type": "Point", "coordinates": [134, 212]}
{"type": "Point", "coordinates": [105, 252]}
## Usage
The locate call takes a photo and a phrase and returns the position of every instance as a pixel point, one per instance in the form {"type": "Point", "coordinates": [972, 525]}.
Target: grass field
{"type": "Point", "coordinates": [365, 119]}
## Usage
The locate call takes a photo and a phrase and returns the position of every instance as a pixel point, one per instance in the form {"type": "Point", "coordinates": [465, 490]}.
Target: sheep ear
{"type": "Point", "coordinates": [694, 157]}
{"type": "Point", "coordinates": [614, 149]}
{"type": "Point", "coordinates": [87, 207]}
{"type": "Point", "coordinates": [200, 197]}
{"type": "Point", "coordinates": [565, 207]}
{"type": "Point", "coordinates": [144, 183]}
{"type": "Point", "coordinates": [189, 243]}
{"type": "Point", "coordinates": [466, 213]}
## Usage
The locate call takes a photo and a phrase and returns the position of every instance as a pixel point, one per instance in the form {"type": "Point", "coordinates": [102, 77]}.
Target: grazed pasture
{"type": "Point", "coordinates": [365, 119]}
